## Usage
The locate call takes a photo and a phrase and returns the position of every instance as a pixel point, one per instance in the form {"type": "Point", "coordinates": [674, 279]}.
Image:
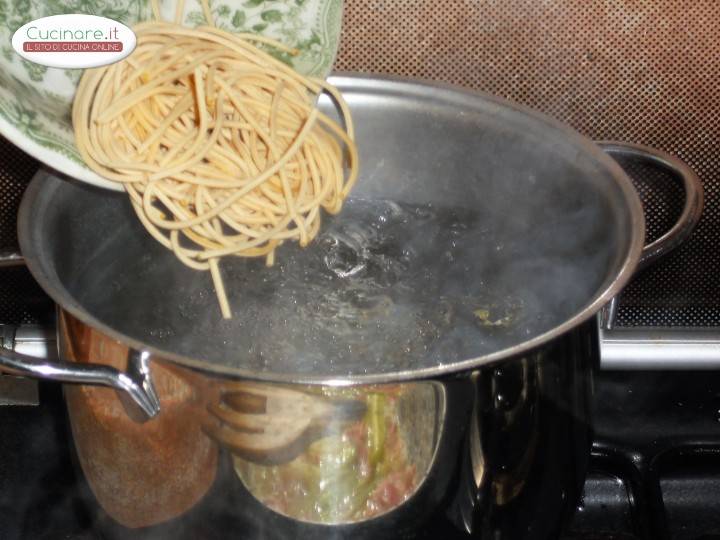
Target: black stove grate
{"type": "Point", "coordinates": [655, 471]}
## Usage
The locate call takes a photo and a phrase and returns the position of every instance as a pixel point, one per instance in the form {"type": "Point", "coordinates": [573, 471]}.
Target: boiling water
{"type": "Point", "coordinates": [385, 287]}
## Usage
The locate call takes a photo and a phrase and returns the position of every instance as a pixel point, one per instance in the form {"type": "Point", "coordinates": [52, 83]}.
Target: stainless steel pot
{"type": "Point", "coordinates": [430, 355]}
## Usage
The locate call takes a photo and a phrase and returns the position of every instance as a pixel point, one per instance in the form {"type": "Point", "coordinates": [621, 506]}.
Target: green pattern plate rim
{"type": "Point", "coordinates": [35, 101]}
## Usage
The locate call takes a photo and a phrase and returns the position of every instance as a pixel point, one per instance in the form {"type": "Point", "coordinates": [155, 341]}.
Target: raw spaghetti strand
{"type": "Point", "coordinates": [220, 146]}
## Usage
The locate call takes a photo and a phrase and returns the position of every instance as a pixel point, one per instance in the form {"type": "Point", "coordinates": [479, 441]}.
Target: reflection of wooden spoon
{"type": "Point", "coordinates": [271, 424]}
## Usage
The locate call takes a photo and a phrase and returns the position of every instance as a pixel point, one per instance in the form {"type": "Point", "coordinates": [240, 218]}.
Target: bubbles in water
{"type": "Point", "coordinates": [162, 333]}
{"type": "Point", "coordinates": [344, 258]}
{"type": "Point", "coordinates": [384, 287]}
{"type": "Point", "coordinates": [375, 288]}
{"type": "Point", "coordinates": [384, 284]}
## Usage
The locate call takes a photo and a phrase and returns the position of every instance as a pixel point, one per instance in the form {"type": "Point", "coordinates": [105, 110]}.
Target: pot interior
{"type": "Point", "coordinates": [476, 229]}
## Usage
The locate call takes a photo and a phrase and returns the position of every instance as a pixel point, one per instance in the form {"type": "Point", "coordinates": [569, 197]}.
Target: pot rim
{"type": "Point", "coordinates": [396, 86]}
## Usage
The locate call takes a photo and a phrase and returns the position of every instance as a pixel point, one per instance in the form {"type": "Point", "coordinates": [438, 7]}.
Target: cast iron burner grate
{"type": "Point", "coordinates": [655, 470]}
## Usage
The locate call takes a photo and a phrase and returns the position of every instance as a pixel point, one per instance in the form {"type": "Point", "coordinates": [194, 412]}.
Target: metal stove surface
{"type": "Point", "coordinates": [655, 471]}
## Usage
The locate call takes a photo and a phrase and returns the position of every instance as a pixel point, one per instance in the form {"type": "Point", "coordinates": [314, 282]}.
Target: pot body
{"type": "Point", "coordinates": [480, 452]}
{"type": "Point", "coordinates": [467, 205]}
{"type": "Point", "coordinates": [367, 387]}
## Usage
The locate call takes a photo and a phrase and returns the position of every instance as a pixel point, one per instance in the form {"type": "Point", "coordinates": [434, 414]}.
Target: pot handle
{"type": "Point", "coordinates": [683, 227]}
{"type": "Point", "coordinates": [135, 383]}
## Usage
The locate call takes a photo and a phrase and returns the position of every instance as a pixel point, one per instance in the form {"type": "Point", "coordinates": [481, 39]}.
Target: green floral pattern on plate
{"type": "Point", "coordinates": [310, 26]}
{"type": "Point", "coordinates": [35, 101]}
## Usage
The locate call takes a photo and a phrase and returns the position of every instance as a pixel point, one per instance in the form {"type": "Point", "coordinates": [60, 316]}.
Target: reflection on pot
{"type": "Point", "coordinates": [329, 455]}
{"type": "Point", "coordinates": [529, 441]}
{"type": "Point", "coordinates": [514, 388]}
{"type": "Point", "coordinates": [479, 451]}
{"type": "Point", "coordinates": [133, 467]}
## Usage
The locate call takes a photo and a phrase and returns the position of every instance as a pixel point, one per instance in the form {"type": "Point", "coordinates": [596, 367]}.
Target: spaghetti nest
{"type": "Point", "coordinates": [220, 146]}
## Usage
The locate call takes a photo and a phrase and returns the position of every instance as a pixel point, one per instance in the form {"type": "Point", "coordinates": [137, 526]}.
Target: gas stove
{"type": "Point", "coordinates": [654, 474]}
{"type": "Point", "coordinates": [643, 71]}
